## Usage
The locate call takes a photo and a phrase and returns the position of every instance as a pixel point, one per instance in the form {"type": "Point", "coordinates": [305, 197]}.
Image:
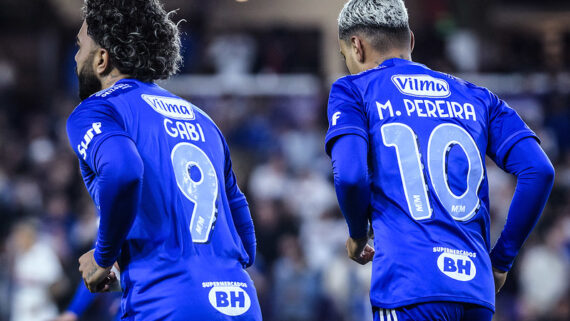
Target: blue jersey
{"type": "Point", "coordinates": [428, 134]}
{"type": "Point", "coordinates": [183, 258]}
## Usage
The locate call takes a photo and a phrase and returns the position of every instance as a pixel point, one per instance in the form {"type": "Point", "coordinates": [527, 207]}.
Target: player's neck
{"type": "Point", "coordinates": [377, 58]}
{"type": "Point", "coordinates": [110, 79]}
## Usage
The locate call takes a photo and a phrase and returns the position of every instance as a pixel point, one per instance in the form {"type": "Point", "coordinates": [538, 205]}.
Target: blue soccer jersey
{"type": "Point", "coordinates": [428, 134]}
{"type": "Point", "coordinates": [183, 258]}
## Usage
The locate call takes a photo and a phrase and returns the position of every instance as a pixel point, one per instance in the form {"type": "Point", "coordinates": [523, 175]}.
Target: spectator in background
{"type": "Point", "coordinates": [544, 272]}
{"type": "Point", "coordinates": [296, 286]}
{"type": "Point", "coordinates": [36, 270]}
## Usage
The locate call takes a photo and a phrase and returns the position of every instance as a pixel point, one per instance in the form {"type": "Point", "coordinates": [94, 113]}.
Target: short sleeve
{"type": "Point", "coordinates": [345, 113]}
{"type": "Point", "coordinates": [91, 123]}
{"type": "Point", "coordinates": [506, 128]}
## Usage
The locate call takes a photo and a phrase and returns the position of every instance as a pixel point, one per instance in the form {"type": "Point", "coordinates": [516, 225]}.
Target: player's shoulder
{"type": "Point", "coordinates": [462, 83]}
{"type": "Point", "coordinates": [106, 98]}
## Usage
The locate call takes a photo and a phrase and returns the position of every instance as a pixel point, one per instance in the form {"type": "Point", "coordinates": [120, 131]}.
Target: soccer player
{"type": "Point", "coordinates": [159, 173]}
{"type": "Point", "coordinates": [408, 148]}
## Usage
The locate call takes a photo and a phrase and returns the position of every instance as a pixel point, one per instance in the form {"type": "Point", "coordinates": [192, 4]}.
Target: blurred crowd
{"type": "Point", "coordinates": [302, 273]}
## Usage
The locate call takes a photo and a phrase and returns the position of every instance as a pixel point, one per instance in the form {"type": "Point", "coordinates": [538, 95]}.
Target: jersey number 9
{"type": "Point", "coordinates": [196, 178]}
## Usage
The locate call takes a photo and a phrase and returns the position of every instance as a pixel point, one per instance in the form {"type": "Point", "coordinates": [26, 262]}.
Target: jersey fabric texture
{"type": "Point", "coordinates": [440, 311]}
{"type": "Point", "coordinates": [428, 134]}
{"type": "Point", "coordinates": [183, 258]}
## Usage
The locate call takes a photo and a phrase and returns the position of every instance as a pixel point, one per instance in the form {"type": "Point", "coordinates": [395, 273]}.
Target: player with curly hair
{"type": "Point", "coordinates": [159, 172]}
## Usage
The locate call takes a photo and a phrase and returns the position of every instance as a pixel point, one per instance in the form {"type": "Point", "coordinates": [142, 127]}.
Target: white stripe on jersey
{"type": "Point", "coordinates": [394, 315]}
{"type": "Point", "coordinates": [381, 312]}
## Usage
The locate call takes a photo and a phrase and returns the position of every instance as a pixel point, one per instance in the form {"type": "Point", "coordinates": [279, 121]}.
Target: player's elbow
{"type": "Point", "coordinates": [133, 175]}
{"type": "Point", "coordinates": [353, 181]}
{"type": "Point", "coordinates": [127, 173]}
{"type": "Point", "coordinates": [545, 171]}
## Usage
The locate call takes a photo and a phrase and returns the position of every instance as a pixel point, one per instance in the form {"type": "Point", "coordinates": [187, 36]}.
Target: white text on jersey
{"type": "Point", "coordinates": [428, 108]}
{"type": "Point", "coordinates": [184, 130]}
{"type": "Point", "coordinates": [94, 130]}
{"type": "Point", "coordinates": [170, 106]}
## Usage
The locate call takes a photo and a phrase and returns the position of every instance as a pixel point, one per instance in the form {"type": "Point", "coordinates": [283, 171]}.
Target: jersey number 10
{"type": "Point", "coordinates": [441, 140]}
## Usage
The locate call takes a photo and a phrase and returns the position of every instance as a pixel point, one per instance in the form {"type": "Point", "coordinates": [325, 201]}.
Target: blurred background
{"type": "Point", "coordinates": [262, 70]}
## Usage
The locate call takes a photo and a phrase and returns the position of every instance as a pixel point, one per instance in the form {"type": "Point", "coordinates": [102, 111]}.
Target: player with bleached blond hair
{"type": "Point", "coordinates": [408, 148]}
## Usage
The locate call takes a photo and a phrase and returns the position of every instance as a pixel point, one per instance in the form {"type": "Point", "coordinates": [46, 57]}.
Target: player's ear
{"type": "Point", "coordinates": [358, 49]}
{"type": "Point", "coordinates": [412, 41]}
{"type": "Point", "coordinates": [102, 62]}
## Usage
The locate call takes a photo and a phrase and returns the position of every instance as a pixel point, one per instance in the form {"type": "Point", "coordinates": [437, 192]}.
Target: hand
{"type": "Point", "coordinates": [66, 316]}
{"type": "Point", "coordinates": [500, 278]}
{"type": "Point", "coordinates": [359, 250]}
{"type": "Point", "coordinates": [96, 278]}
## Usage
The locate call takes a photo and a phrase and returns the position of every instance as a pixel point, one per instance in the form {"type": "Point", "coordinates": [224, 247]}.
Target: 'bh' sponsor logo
{"type": "Point", "coordinates": [230, 300]}
{"type": "Point", "coordinates": [421, 86]}
{"type": "Point", "coordinates": [170, 107]}
{"type": "Point", "coordinates": [457, 267]}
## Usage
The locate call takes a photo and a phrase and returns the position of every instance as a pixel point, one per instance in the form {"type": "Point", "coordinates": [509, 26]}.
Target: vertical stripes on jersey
{"type": "Point", "coordinates": [387, 314]}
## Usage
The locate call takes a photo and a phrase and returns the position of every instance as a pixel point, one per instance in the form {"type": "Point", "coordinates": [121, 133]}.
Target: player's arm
{"type": "Point", "coordinates": [535, 177]}
{"type": "Point", "coordinates": [350, 170]}
{"type": "Point", "coordinates": [347, 144]}
{"type": "Point", "coordinates": [81, 300]}
{"type": "Point", "coordinates": [352, 186]}
{"type": "Point", "coordinates": [97, 135]}
{"type": "Point", "coordinates": [515, 149]}
{"type": "Point", "coordinates": [119, 180]}
{"type": "Point", "coordinates": [240, 210]}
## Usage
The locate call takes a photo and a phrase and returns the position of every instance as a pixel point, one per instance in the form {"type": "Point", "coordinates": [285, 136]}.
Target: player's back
{"type": "Point", "coordinates": [183, 241]}
{"type": "Point", "coordinates": [428, 134]}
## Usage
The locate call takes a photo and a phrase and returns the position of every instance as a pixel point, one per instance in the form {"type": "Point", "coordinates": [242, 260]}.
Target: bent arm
{"type": "Point", "coordinates": [350, 169]}
{"type": "Point", "coordinates": [535, 177]}
{"type": "Point", "coordinates": [240, 210]}
{"type": "Point", "coordinates": [119, 181]}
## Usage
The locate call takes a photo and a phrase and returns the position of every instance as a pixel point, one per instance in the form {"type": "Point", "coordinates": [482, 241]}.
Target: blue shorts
{"type": "Point", "coordinates": [208, 292]}
{"type": "Point", "coordinates": [435, 311]}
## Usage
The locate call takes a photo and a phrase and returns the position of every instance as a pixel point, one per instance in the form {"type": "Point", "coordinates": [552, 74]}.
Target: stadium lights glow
{"type": "Point", "coordinates": [241, 0]}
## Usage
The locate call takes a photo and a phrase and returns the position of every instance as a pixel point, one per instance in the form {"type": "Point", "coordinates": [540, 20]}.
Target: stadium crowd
{"type": "Point", "coordinates": [47, 219]}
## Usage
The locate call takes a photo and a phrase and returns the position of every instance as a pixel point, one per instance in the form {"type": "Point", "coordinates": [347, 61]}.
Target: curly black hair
{"type": "Point", "coordinates": [142, 40]}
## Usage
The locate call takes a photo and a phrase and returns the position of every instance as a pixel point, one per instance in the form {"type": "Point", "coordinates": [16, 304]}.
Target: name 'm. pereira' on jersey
{"type": "Point", "coordinates": [183, 250]}
{"type": "Point", "coordinates": [428, 134]}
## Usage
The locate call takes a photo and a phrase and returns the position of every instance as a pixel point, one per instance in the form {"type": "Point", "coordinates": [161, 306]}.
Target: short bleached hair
{"type": "Point", "coordinates": [370, 16]}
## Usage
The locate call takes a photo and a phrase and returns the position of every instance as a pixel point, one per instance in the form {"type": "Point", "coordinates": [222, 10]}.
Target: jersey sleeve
{"type": "Point", "coordinates": [236, 198]}
{"type": "Point", "coordinates": [345, 113]}
{"type": "Point", "coordinates": [90, 124]}
{"type": "Point", "coordinates": [239, 209]}
{"type": "Point", "coordinates": [506, 128]}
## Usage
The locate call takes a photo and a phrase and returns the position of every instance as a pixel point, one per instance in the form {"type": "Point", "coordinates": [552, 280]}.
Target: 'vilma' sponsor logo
{"type": "Point", "coordinates": [170, 106]}
{"type": "Point", "coordinates": [421, 86]}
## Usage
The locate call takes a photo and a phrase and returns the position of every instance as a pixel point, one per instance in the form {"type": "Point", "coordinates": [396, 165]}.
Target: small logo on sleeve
{"type": "Point", "coordinates": [335, 117]}
{"type": "Point", "coordinates": [88, 137]}
{"type": "Point", "coordinates": [421, 86]}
